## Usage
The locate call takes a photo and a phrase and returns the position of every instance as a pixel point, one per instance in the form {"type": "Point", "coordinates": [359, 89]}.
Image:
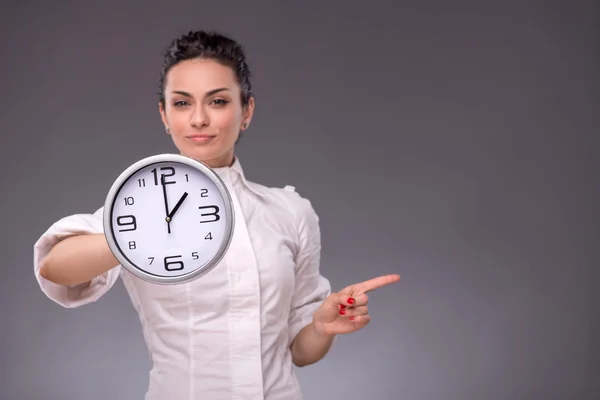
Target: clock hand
{"type": "Point", "coordinates": [170, 216]}
{"type": "Point", "coordinates": [164, 186]}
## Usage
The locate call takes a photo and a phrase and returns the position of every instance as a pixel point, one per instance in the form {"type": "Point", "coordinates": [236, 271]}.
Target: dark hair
{"type": "Point", "coordinates": [207, 45]}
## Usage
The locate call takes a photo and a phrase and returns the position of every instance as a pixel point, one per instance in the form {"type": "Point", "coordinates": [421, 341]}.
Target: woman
{"type": "Point", "coordinates": [237, 331]}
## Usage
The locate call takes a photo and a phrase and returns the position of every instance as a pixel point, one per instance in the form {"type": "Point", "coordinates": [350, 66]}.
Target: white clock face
{"type": "Point", "coordinates": [168, 221]}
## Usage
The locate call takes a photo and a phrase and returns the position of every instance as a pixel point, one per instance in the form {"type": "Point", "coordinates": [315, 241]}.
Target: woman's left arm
{"type": "Point", "coordinates": [311, 289]}
{"type": "Point", "coordinates": [316, 314]}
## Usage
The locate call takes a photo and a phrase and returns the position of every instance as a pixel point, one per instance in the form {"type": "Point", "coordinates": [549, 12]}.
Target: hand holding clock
{"type": "Point", "coordinates": [140, 242]}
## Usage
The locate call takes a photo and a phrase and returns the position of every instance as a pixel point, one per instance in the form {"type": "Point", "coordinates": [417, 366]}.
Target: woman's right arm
{"type": "Point", "coordinates": [77, 259]}
{"type": "Point", "coordinates": [72, 262]}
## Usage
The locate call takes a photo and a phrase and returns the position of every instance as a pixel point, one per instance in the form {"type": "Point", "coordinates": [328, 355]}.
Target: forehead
{"type": "Point", "coordinates": [200, 75]}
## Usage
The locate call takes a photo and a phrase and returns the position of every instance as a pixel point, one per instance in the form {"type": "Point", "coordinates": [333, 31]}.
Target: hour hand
{"type": "Point", "coordinates": [172, 213]}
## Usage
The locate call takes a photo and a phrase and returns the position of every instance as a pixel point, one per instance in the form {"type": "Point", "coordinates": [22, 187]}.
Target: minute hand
{"type": "Point", "coordinates": [164, 190]}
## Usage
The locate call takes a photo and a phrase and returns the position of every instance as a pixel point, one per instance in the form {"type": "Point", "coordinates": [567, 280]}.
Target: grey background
{"type": "Point", "coordinates": [454, 143]}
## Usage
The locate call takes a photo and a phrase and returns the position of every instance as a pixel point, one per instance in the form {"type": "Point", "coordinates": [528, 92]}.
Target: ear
{"type": "Point", "coordinates": [248, 113]}
{"type": "Point", "coordinates": [163, 116]}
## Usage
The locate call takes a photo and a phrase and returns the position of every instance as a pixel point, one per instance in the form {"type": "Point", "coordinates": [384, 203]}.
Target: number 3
{"type": "Point", "coordinates": [215, 213]}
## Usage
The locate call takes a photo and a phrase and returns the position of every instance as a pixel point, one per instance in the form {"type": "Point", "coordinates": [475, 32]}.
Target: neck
{"type": "Point", "coordinates": [218, 162]}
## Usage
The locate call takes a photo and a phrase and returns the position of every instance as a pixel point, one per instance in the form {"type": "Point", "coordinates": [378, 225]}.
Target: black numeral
{"type": "Point", "coordinates": [204, 193]}
{"type": "Point", "coordinates": [208, 237]}
{"type": "Point", "coordinates": [187, 179]}
{"type": "Point", "coordinates": [127, 221]}
{"type": "Point", "coordinates": [195, 255]}
{"type": "Point", "coordinates": [215, 213]}
{"type": "Point", "coordinates": [142, 182]}
{"type": "Point", "coordinates": [173, 265]}
{"type": "Point", "coordinates": [158, 181]}
{"type": "Point", "coordinates": [129, 201]}
{"type": "Point", "coordinates": [131, 245]}
{"type": "Point", "coordinates": [151, 260]}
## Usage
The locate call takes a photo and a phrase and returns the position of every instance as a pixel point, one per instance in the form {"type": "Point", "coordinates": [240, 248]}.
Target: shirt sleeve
{"type": "Point", "coordinates": [311, 288]}
{"type": "Point", "coordinates": [75, 295]}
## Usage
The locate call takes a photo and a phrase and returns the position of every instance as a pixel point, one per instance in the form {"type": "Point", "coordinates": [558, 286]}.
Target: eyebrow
{"type": "Point", "coordinates": [209, 93]}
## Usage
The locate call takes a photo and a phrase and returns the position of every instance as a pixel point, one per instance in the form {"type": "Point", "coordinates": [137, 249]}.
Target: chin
{"type": "Point", "coordinates": [208, 155]}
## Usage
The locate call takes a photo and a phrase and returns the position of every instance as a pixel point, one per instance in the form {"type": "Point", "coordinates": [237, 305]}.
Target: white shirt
{"type": "Point", "coordinates": [225, 335]}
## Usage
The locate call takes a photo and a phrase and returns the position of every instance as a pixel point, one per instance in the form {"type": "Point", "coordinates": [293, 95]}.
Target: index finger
{"type": "Point", "coordinates": [376, 283]}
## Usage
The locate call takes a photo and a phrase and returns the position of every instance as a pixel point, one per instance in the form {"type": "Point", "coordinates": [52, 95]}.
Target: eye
{"type": "Point", "coordinates": [180, 103]}
{"type": "Point", "coordinates": [219, 102]}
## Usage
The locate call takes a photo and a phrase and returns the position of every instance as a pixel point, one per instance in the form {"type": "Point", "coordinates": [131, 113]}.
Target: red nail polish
{"type": "Point", "coordinates": [351, 300]}
{"type": "Point", "coordinates": [352, 318]}
{"type": "Point", "coordinates": [342, 306]}
{"type": "Point", "coordinates": [342, 312]}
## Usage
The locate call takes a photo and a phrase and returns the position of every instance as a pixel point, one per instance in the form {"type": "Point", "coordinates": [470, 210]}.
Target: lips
{"type": "Point", "coordinates": [200, 138]}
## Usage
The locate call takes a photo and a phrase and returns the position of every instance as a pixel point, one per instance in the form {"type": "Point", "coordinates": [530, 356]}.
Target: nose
{"type": "Point", "coordinates": [199, 117]}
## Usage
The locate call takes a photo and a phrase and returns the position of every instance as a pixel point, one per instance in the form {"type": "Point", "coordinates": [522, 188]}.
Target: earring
{"type": "Point", "coordinates": [245, 125]}
{"type": "Point", "coordinates": [167, 130]}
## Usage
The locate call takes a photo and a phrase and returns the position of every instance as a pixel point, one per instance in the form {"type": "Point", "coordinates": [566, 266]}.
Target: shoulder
{"type": "Point", "coordinates": [288, 199]}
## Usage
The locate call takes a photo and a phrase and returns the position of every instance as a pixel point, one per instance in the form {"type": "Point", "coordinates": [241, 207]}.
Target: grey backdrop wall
{"type": "Point", "coordinates": [454, 143]}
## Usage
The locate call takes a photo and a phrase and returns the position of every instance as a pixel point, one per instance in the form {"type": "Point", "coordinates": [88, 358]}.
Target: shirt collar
{"type": "Point", "coordinates": [235, 172]}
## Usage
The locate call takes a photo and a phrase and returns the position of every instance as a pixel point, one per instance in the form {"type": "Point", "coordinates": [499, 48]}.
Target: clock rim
{"type": "Point", "coordinates": [109, 206]}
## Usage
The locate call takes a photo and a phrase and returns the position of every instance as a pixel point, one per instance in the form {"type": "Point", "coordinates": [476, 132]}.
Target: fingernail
{"type": "Point", "coordinates": [352, 317]}
{"type": "Point", "coordinates": [351, 300]}
{"type": "Point", "coordinates": [342, 312]}
{"type": "Point", "coordinates": [342, 306]}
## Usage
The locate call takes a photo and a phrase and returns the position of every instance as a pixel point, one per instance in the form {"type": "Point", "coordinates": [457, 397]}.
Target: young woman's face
{"type": "Point", "coordinates": [203, 111]}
